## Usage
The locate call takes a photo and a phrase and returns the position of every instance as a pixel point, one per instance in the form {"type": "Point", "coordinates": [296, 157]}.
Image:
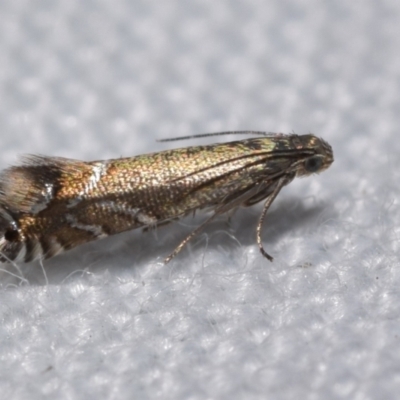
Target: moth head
{"type": "Point", "coordinates": [318, 156]}
{"type": "Point", "coordinates": [11, 243]}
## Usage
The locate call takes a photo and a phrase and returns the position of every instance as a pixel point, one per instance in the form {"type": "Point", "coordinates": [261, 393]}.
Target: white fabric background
{"type": "Point", "coordinates": [100, 79]}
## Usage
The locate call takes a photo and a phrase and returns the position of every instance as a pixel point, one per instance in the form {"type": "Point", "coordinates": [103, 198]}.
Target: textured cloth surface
{"type": "Point", "coordinates": [100, 79]}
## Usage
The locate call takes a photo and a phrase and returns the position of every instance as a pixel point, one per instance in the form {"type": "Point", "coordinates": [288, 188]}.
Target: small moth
{"type": "Point", "coordinates": [52, 204]}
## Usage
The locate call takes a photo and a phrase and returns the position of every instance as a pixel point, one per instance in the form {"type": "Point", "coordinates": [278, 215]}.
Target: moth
{"type": "Point", "coordinates": [50, 204]}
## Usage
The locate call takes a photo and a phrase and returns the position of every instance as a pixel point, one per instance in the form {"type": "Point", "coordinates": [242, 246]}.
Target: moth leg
{"type": "Point", "coordinates": [282, 181]}
{"type": "Point", "coordinates": [188, 238]}
{"type": "Point", "coordinates": [229, 205]}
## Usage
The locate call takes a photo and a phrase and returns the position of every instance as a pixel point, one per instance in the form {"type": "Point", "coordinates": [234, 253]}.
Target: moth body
{"type": "Point", "coordinates": [50, 204]}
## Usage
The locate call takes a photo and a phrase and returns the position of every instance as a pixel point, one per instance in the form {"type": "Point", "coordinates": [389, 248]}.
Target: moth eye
{"type": "Point", "coordinates": [11, 235]}
{"type": "Point", "coordinates": [313, 164]}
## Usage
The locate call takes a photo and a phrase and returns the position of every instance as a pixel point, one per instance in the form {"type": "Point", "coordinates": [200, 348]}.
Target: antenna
{"type": "Point", "coordinates": [203, 135]}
